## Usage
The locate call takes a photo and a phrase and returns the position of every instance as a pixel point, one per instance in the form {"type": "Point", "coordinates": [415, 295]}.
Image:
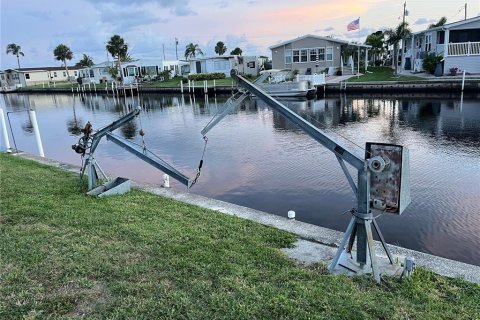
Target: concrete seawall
{"type": "Point", "coordinates": [471, 85]}
{"type": "Point", "coordinates": [315, 239]}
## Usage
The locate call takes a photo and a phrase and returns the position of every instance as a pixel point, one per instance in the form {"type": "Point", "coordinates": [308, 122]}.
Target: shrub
{"type": "Point", "coordinates": [207, 76]}
{"type": "Point", "coordinates": [430, 62]}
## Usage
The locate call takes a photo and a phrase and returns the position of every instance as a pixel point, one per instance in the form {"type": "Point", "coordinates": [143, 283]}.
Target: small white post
{"type": "Point", "coordinates": [166, 181]}
{"type": "Point", "coordinates": [463, 80]}
{"type": "Point", "coordinates": [291, 215]}
{"type": "Point", "coordinates": [131, 90]}
{"type": "Point", "coordinates": [89, 88]}
{"type": "Point", "coordinates": [33, 118]}
{"type": "Point", "coordinates": [214, 89]}
{"type": "Point", "coordinates": [205, 87]}
{"type": "Point", "coordinates": [4, 130]}
{"type": "Point", "coordinates": [54, 84]}
{"type": "Point", "coordinates": [188, 85]}
{"type": "Point", "coordinates": [72, 89]}
{"type": "Point", "coordinates": [193, 86]}
{"type": "Point", "coordinates": [181, 86]}
{"type": "Point", "coordinates": [43, 85]}
{"type": "Point", "coordinates": [94, 87]}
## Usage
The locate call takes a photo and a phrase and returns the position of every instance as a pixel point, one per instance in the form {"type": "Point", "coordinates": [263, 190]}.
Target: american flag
{"type": "Point", "coordinates": [354, 25]}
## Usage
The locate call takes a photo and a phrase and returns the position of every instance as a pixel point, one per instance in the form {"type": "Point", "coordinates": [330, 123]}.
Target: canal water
{"type": "Point", "coordinates": [256, 158]}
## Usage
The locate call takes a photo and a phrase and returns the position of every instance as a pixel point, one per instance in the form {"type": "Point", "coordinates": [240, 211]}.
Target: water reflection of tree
{"type": "Point", "coordinates": [75, 126]}
{"type": "Point", "coordinates": [129, 130]}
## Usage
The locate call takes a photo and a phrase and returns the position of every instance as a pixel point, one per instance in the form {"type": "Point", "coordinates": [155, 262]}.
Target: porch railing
{"type": "Point", "coordinates": [464, 49]}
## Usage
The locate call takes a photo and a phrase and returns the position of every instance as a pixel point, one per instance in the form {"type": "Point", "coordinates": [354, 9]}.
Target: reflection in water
{"type": "Point", "coordinates": [258, 159]}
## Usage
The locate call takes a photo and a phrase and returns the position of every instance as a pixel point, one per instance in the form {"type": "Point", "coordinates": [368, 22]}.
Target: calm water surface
{"type": "Point", "coordinates": [256, 158]}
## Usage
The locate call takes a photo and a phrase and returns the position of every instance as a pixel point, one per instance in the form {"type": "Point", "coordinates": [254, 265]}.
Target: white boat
{"type": "Point", "coordinates": [281, 84]}
{"type": "Point", "coordinates": [8, 89]}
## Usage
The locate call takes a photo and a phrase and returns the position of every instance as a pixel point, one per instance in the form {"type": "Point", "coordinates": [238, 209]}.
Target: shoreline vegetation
{"type": "Point", "coordinates": [138, 255]}
{"type": "Point", "coordinates": [374, 77]}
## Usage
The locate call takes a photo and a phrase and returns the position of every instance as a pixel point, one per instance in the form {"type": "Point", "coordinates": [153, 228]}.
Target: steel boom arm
{"type": "Point", "coordinates": [352, 159]}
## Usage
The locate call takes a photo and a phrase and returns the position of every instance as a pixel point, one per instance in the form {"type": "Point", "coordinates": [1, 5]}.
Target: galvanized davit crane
{"type": "Point", "coordinates": [383, 182]}
{"type": "Point", "coordinates": [88, 143]}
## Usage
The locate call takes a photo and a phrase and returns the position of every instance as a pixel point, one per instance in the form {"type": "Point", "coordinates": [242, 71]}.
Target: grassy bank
{"type": "Point", "coordinates": [382, 74]}
{"type": "Point", "coordinates": [63, 254]}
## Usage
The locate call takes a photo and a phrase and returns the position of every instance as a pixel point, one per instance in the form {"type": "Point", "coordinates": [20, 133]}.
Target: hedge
{"type": "Point", "coordinates": [206, 76]}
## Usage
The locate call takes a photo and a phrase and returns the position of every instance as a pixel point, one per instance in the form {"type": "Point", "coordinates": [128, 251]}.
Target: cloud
{"type": "Point", "coordinates": [125, 19]}
{"type": "Point", "coordinates": [176, 7]}
{"type": "Point", "coordinates": [41, 15]}
{"type": "Point", "coordinates": [222, 4]}
{"type": "Point", "coordinates": [424, 21]}
{"type": "Point", "coordinates": [360, 35]}
{"type": "Point", "coordinates": [328, 29]}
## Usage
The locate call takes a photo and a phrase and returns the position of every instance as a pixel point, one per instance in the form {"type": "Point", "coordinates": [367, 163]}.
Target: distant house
{"type": "Point", "coordinates": [32, 76]}
{"type": "Point", "coordinates": [457, 42]}
{"type": "Point", "coordinates": [314, 54]}
{"type": "Point", "coordinates": [224, 64]}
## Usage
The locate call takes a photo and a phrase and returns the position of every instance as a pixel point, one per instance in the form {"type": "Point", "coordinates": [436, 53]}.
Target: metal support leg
{"type": "Point", "coordinates": [362, 243]}
{"type": "Point", "coordinates": [352, 238]}
{"type": "Point", "coordinates": [384, 244]}
{"type": "Point", "coordinates": [371, 249]}
{"type": "Point", "coordinates": [341, 247]}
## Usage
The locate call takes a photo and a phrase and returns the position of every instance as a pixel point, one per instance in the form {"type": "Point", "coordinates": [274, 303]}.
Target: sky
{"type": "Point", "coordinates": [150, 27]}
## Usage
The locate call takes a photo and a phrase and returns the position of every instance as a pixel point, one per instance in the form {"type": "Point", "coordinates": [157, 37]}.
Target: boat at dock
{"type": "Point", "coordinates": [282, 83]}
{"type": "Point", "coordinates": [8, 89]}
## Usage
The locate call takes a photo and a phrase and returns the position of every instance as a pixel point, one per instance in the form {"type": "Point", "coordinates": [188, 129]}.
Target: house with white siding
{"type": "Point", "coordinates": [25, 77]}
{"type": "Point", "coordinates": [224, 64]}
{"type": "Point", "coordinates": [457, 42]}
{"type": "Point", "coordinates": [314, 54]}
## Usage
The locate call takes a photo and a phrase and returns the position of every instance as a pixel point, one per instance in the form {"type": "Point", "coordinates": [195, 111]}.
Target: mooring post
{"type": "Point", "coordinates": [166, 181]}
{"type": "Point", "coordinates": [95, 87]}
{"type": "Point", "coordinates": [181, 86]}
{"type": "Point", "coordinates": [33, 118]}
{"type": "Point", "coordinates": [4, 131]}
{"type": "Point", "coordinates": [214, 87]}
{"type": "Point", "coordinates": [463, 80]}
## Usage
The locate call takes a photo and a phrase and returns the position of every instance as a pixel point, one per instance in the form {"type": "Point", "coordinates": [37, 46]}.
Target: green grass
{"type": "Point", "coordinates": [140, 256]}
{"type": "Point", "coordinates": [382, 74]}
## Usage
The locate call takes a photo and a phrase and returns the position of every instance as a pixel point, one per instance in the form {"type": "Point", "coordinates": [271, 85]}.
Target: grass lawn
{"type": "Point", "coordinates": [382, 74]}
{"type": "Point", "coordinates": [140, 256]}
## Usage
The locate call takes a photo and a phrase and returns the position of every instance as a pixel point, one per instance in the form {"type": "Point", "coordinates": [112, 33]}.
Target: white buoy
{"type": "Point", "coordinates": [291, 215]}
{"type": "Point", "coordinates": [166, 181]}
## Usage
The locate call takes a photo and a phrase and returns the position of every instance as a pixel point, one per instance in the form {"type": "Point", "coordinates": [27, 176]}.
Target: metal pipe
{"type": "Point", "coordinates": [33, 118]}
{"type": "Point", "coordinates": [4, 130]}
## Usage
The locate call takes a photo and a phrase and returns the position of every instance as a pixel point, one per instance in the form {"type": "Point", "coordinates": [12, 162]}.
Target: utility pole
{"type": "Point", "coordinates": [465, 11]}
{"type": "Point", "coordinates": [163, 47]}
{"type": "Point", "coordinates": [403, 35]}
{"type": "Point", "coordinates": [176, 47]}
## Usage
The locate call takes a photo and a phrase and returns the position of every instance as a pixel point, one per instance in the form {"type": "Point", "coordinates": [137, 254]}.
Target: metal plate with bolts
{"type": "Point", "coordinates": [116, 186]}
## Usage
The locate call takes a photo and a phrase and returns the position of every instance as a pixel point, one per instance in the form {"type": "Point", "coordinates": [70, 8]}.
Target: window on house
{"type": "Point", "coordinates": [304, 55]}
{"type": "Point", "coordinates": [440, 37]}
{"type": "Point", "coordinates": [313, 55]}
{"type": "Point", "coordinates": [75, 73]}
{"type": "Point", "coordinates": [54, 74]}
{"type": "Point", "coordinates": [288, 56]}
{"type": "Point", "coordinates": [27, 76]}
{"type": "Point", "coordinates": [296, 55]}
{"type": "Point", "coordinates": [91, 73]}
{"type": "Point", "coordinates": [428, 42]}
{"type": "Point", "coordinates": [64, 74]}
{"type": "Point", "coordinates": [321, 54]}
{"type": "Point", "coordinates": [329, 54]}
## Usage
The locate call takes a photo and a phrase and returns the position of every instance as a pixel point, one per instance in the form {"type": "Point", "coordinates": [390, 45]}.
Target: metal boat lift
{"type": "Point", "coordinates": [382, 183]}
{"type": "Point", "coordinates": [88, 143]}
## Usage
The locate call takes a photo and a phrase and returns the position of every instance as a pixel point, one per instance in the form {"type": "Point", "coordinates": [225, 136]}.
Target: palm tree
{"type": "Point", "coordinates": [220, 48]}
{"type": "Point", "coordinates": [394, 36]}
{"type": "Point", "coordinates": [86, 61]}
{"type": "Point", "coordinates": [118, 49]}
{"type": "Point", "coordinates": [236, 52]}
{"type": "Point", "coordinates": [191, 50]}
{"type": "Point", "coordinates": [376, 40]}
{"type": "Point", "coordinates": [63, 53]}
{"type": "Point", "coordinates": [440, 23]}
{"type": "Point", "coordinates": [16, 51]}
